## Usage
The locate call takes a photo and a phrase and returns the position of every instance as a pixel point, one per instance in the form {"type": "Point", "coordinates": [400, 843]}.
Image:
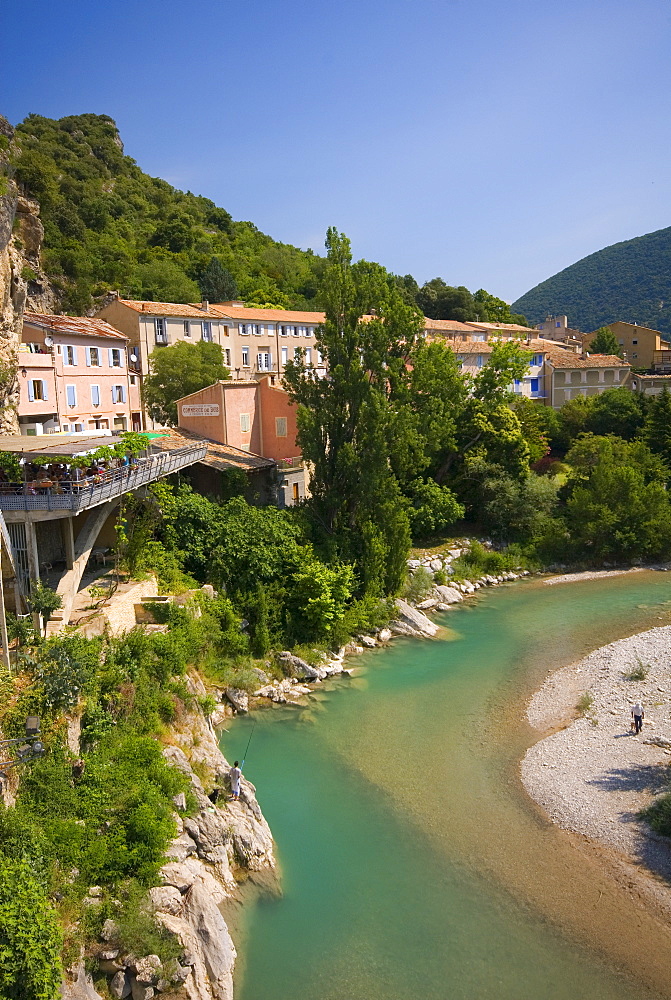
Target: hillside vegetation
{"type": "Point", "coordinates": [109, 225]}
{"type": "Point", "coordinates": [628, 281]}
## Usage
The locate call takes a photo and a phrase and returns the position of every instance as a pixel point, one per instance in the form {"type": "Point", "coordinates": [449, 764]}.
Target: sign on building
{"type": "Point", "coordinates": [200, 409]}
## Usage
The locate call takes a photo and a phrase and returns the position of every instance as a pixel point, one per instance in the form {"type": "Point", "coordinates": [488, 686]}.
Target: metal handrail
{"type": "Point", "coordinates": [79, 494]}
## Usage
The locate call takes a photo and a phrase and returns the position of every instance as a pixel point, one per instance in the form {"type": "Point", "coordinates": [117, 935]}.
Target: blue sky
{"type": "Point", "coordinates": [492, 143]}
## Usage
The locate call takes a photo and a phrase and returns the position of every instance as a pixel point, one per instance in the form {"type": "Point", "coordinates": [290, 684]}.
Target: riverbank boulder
{"type": "Point", "coordinates": [412, 621]}
{"type": "Point", "coordinates": [448, 595]}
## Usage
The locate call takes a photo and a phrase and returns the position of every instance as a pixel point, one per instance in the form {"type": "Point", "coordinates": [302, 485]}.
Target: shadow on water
{"type": "Point", "coordinates": [413, 863]}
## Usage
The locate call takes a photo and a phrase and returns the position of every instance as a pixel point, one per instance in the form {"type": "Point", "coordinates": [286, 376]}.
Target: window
{"type": "Point", "coordinates": [285, 355]}
{"type": "Point", "coordinates": [295, 493]}
{"type": "Point", "coordinates": [37, 389]}
{"type": "Point", "coordinates": [245, 423]}
{"type": "Point", "coordinates": [283, 331]}
{"type": "Point", "coordinates": [118, 393]}
{"type": "Point", "coordinates": [293, 331]}
{"type": "Point", "coordinates": [263, 361]}
{"type": "Point", "coordinates": [478, 361]}
{"type": "Point", "coordinates": [534, 385]}
{"type": "Point", "coordinates": [245, 357]}
{"type": "Point", "coordinates": [256, 329]}
{"type": "Point", "coordinates": [92, 357]}
{"type": "Point", "coordinates": [187, 328]}
{"type": "Point", "coordinates": [66, 428]}
{"type": "Point", "coordinates": [133, 380]}
{"type": "Point", "coordinates": [634, 342]}
{"type": "Point", "coordinates": [95, 395]}
{"type": "Point", "coordinates": [320, 357]}
{"type": "Point", "coordinates": [114, 357]}
{"type": "Point", "coordinates": [557, 323]}
{"type": "Point", "coordinates": [160, 332]}
{"type": "Point", "coordinates": [634, 355]}
{"type": "Point", "coordinates": [78, 428]}
{"type": "Point", "coordinates": [311, 331]}
{"type": "Point", "coordinates": [207, 331]}
{"type": "Point", "coordinates": [537, 360]}
{"type": "Point", "coordinates": [227, 357]}
{"type": "Point", "coordinates": [281, 427]}
{"type": "Point", "coordinates": [71, 395]}
{"type": "Point", "coordinates": [308, 355]}
{"type": "Point", "coordinates": [243, 330]}
{"type": "Point", "coordinates": [69, 354]}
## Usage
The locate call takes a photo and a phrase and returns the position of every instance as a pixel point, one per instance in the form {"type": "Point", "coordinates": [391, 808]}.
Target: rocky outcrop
{"type": "Point", "coordinates": [22, 281]}
{"type": "Point", "coordinates": [411, 622]}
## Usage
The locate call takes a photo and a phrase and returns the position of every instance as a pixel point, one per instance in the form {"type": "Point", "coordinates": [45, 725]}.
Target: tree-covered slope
{"type": "Point", "coordinates": [628, 281]}
{"type": "Point", "coordinates": [109, 225]}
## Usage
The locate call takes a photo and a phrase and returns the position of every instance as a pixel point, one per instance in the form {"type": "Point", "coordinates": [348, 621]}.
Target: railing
{"type": "Point", "coordinates": [75, 495]}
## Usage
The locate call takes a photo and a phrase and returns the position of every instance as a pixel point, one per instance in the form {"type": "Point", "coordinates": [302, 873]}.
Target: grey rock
{"type": "Point", "coordinates": [238, 698]}
{"type": "Point", "coordinates": [109, 965]}
{"type": "Point", "coordinates": [82, 988]}
{"type": "Point", "coordinates": [179, 801]}
{"type": "Point", "coordinates": [181, 848]}
{"type": "Point", "coordinates": [413, 563]}
{"type": "Point", "coordinates": [367, 641]}
{"type": "Point", "coordinates": [141, 992]}
{"type": "Point", "coordinates": [436, 564]}
{"type": "Point", "coordinates": [448, 595]}
{"type": "Point", "coordinates": [110, 953]}
{"type": "Point", "coordinates": [414, 619]}
{"type": "Point", "coordinates": [166, 898]}
{"type": "Point", "coordinates": [384, 635]}
{"type": "Point", "coordinates": [120, 985]}
{"type": "Point", "coordinates": [443, 607]}
{"type": "Point", "coordinates": [110, 931]}
{"type": "Point", "coordinates": [148, 970]}
{"type": "Point", "coordinates": [427, 605]}
{"type": "Point", "coordinates": [299, 667]}
{"type": "Point", "coordinates": [212, 933]}
{"type": "Point", "coordinates": [261, 674]}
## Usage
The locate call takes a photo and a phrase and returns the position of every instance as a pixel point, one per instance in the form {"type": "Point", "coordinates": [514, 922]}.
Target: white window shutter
{"type": "Point", "coordinates": [45, 394]}
{"type": "Point", "coordinates": [31, 392]}
{"type": "Point", "coordinates": [87, 352]}
{"type": "Point", "coordinates": [122, 356]}
{"type": "Point", "coordinates": [123, 393]}
{"type": "Point", "coordinates": [114, 394]}
{"type": "Point", "coordinates": [110, 357]}
{"type": "Point", "coordinates": [74, 355]}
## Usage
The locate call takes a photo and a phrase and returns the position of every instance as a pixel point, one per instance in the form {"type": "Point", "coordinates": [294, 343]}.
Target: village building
{"type": "Point", "coordinates": [569, 375]}
{"type": "Point", "coordinates": [255, 418]}
{"type": "Point", "coordinates": [556, 328]}
{"type": "Point", "coordinates": [639, 344]}
{"type": "Point", "coordinates": [74, 377]}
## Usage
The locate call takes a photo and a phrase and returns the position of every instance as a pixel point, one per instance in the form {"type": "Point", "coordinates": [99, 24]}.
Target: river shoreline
{"type": "Point", "coordinates": [591, 775]}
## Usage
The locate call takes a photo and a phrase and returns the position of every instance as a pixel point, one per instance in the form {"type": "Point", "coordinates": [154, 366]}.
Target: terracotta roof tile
{"type": "Point", "coordinates": [566, 359]}
{"type": "Point", "coordinates": [180, 309]}
{"type": "Point", "coordinates": [83, 326]}
{"type": "Point", "coordinates": [269, 315]}
{"type": "Point", "coordinates": [219, 456]}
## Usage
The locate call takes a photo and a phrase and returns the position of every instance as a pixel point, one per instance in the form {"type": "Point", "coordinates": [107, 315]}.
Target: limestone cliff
{"type": "Point", "coordinates": [22, 280]}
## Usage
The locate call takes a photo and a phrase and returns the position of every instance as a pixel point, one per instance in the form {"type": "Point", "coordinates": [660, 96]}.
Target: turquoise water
{"type": "Point", "coordinates": [413, 865]}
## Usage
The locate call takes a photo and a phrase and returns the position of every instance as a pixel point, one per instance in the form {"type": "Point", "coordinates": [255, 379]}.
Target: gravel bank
{"type": "Point", "coordinates": [594, 776]}
{"type": "Point", "coordinates": [597, 574]}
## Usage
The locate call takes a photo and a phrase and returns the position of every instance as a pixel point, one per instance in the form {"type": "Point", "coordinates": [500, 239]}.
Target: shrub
{"type": "Point", "coordinates": [639, 673]}
{"type": "Point", "coordinates": [585, 702]}
{"type": "Point", "coordinates": [30, 942]}
{"type": "Point", "coordinates": [658, 815]}
{"type": "Point", "coordinates": [418, 585]}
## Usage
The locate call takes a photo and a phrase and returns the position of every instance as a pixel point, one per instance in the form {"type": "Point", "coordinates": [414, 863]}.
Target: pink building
{"type": "Point", "coordinates": [254, 417]}
{"type": "Point", "coordinates": [74, 377]}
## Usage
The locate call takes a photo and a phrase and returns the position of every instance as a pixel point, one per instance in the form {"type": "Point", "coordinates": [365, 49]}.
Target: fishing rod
{"type": "Point", "coordinates": [248, 742]}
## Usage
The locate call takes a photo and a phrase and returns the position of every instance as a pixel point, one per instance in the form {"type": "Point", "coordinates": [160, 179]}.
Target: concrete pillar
{"type": "Point", "coordinates": [68, 541]}
{"type": "Point", "coordinates": [33, 556]}
{"type": "Point", "coordinates": [33, 567]}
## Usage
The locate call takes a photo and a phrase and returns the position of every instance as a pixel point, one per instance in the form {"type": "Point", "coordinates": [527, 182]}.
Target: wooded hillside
{"type": "Point", "coordinates": [629, 281]}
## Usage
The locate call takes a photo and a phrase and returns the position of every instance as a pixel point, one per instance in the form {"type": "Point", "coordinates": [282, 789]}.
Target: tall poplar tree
{"type": "Point", "coordinates": [657, 430]}
{"type": "Point", "coordinates": [357, 427]}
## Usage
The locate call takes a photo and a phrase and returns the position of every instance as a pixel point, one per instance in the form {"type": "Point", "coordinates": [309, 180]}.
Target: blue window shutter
{"type": "Point", "coordinates": [74, 355]}
{"type": "Point", "coordinates": [110, 357]}
{"type": "Point", "coordinates": [123, 393]}
{"type": "Point", "coordinates": [31, 392]}
{"type": "Point", "coordinates": [71, 395]}
{"type": "Point", "coordinates": [87, 352]}
{"type": "Point", "coordinates": [45, 394]}
{"type": "Point", "coordinates": [95, 395]}
{"type": "Point", "coordinates": [114, 394]}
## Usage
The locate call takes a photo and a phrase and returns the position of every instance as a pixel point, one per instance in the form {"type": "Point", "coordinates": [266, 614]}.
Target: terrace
{"type": "Point", "coordinates": [76, 491]}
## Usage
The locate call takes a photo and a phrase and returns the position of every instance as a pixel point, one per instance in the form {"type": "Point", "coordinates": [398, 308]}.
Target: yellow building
{"type": "Point", "coordinates": [638, 343]}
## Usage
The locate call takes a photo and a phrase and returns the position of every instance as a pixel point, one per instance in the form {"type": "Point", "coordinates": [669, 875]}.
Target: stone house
{"type": "Point", "coordinates": [638, 343]}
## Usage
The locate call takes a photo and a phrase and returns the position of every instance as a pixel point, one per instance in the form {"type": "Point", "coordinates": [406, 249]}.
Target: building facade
{"type": "Point", "coordinates": [570, 375]}
{"type": "Point", "coordinates": [74, 377]}
{"type": "Point", "coordinates": [638, 343]}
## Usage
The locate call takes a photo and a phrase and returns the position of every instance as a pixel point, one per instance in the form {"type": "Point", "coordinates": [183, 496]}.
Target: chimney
{"type": "Point", "coordinates": [205, 305]}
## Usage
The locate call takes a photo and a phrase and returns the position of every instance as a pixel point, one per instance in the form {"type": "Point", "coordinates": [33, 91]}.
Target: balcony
{"type": "Point", "coordinates": [74, 496]}
{"type": "Point", "coordinates": [291, 463]}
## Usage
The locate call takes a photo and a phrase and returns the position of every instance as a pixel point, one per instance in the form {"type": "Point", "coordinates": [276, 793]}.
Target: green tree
{"type": "Point", "coordinates": [162, 280]}
{"type": "Point", "coordinates": [434, 508]}
{"type": "Point", "coordinates": [490, 309]}
{"type": "Point", "coordinates": [439, 300]}
{"type": "Point", "coordinates": [179, 371]}
{"type": "Point", "coordinates": [516, 509]}
{"type": "Point", "coordinates": [358, 428]}
{"type": "Point", "coordinates": [217, 284]}
{"type": "Point", "coordinates": [657, 430]}
{"type": "Point", "coordinates": [44, 601]}
{"type": "Point", "coordinates": [617, 411]}
{"type": "Point", "coordinates": [30, 942]}
{"type": "Point", "coordinates": [605, 342]}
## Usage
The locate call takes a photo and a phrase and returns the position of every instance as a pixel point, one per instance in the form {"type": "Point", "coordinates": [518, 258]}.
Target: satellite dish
{"type": "Point", "coordinates": [48, 341]}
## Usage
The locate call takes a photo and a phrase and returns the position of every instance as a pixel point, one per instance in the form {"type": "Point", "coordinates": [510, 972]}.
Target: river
{"type": "Point", "coordinates": [414, 866]}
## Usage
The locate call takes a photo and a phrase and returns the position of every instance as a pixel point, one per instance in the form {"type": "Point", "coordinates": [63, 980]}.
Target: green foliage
{"type": "Point", "coordinates": [43, 601]}
{"type": "Point", "coordinates": [585, 702]}
{"type": "Point", "coordinates": [434, 508]}
{"type": "Point", "coordinates": [626, 281]}
{"type": "Point", "coordinates": [640, 671]}
{"type": "Point", "coordinates": [617, 411]}
{"type": "Point", "coordinates": [179, 371]}
{"type": "Point", "coordinates": [217, 284]}
{"type": "Point", "coordinates": [605, 342]}
{"type": "Point", "coordinates": [480, 561]}
{"type": "Point", "coordinates": [516, 508]}
{"type": "Point", "coordinates": [63, 670]}
{"type": "Point", "coordinates": [418, 585]}
{"type": "Point", "coordinates": [657, 429]}
{"type": "Point", "coordinates": [658, 814]}
{"type": "Point", "coordinates": [30, 965]}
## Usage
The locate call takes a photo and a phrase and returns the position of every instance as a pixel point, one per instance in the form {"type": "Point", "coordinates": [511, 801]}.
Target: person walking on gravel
{"type": "Point", "coordinates": [637, 715]}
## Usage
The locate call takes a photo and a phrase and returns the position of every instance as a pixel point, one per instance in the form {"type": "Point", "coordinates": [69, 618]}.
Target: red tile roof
{"type": "Point", "coordinates": [566, 359]}
{"type": "Point", "coordinates": [180, 309]}
{"type": "Point", "coordinates": [269, 315]}
{"type": "Point", "coordinates": [83, 326]}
